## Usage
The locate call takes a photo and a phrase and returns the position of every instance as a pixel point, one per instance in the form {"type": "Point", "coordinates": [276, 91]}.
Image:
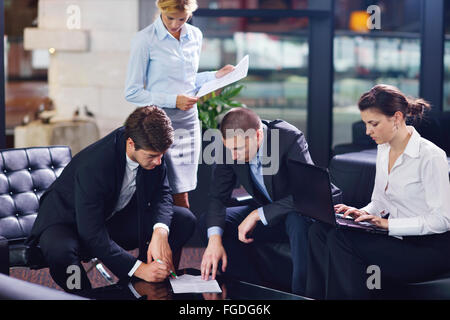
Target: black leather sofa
{"type": "Point", "coordinates": [24, 176]}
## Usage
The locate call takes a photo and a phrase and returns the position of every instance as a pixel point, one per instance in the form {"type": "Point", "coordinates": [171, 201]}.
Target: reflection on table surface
{"type": "Point", "coordinates": [231, 290]}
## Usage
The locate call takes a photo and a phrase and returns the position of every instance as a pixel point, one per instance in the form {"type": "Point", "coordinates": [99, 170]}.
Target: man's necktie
{"type": "Point", "coordinates": [258, 179]}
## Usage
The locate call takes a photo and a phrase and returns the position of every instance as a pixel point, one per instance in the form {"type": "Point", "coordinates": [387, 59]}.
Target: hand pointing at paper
{"type": "Point", "coordinates": [225, 76]}
{"type": "Point", "coordinates": [185, 102]}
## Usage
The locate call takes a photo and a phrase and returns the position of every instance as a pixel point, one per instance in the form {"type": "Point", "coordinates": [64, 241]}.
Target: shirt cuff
{"type": "Point", "coordinates": [405, 226]}
{"type": "Point", "coordinates": [210, 75]}
{"type": "Point", "coordinates": [133, 270]}
{"type": "Point", "coordinates": [262, 216]}
{"type": "Point", "coordinates": [215, 230]}
{"type": "Point", "coordinates": [161, 225]}
{"type": "Point", "coordinates": [133, 290]}
{"type": "Point", "coordinates": [171, 101]}
{"type": "Point", "coordinates": [205, 76]}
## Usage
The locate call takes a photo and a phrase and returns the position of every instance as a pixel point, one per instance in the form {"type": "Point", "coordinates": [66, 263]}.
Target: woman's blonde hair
{"type": "Point", "coordinates": [171, 6]}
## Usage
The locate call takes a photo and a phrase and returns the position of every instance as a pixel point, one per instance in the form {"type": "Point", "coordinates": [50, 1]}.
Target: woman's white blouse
{"type": "Point", "coordinates": [161, 67]}
{"type": "Point", "coordinates": [416, 193]}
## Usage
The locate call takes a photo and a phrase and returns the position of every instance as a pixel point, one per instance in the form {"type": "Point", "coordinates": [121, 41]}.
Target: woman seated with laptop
{"type": "Point", "coordinates": [411, 199]}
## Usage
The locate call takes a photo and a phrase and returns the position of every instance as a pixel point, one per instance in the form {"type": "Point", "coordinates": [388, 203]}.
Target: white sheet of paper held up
{"type": "Point", "coordinates": [193, 284]}
{"type": "Point", "coordinates": [239, 72]}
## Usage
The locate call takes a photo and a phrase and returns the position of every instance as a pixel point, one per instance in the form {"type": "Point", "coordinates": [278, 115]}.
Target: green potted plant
{"type": "Point", "coordinates": [211, 106]}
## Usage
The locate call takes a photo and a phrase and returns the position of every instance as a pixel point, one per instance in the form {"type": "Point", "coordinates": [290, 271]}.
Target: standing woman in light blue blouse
{"type": "Point", "coordinates": [162, 71]}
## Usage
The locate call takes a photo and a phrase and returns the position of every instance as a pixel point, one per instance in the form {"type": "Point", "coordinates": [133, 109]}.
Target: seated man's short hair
{"type": "Point", "coordinates": [150, 128]}
{"type": "Point", "coordinates": [240, 120]}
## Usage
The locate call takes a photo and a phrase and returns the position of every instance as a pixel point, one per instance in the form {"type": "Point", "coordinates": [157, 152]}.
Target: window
{"type": "Point", "coordinates": [25, 71]}
{"type": "Point", "coordinates": [446, 95]}
{"type": "Point", "coordinates": [276, 85]}
{"type": "Point", "coordinates": [389, 55]}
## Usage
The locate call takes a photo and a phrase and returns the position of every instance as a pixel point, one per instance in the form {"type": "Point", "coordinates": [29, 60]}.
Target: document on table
{"type": "Point", "coordinates": [193, 284]}
{"type": "Point", "coordinates": [239, 72]}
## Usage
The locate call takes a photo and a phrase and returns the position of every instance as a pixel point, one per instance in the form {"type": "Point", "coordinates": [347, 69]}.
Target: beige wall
{"type": "Point", "coordinates": [89, 64]}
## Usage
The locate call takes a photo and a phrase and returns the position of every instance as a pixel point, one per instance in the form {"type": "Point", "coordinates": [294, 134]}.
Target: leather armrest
{"type": "Point", "coordinates": [4, 256]}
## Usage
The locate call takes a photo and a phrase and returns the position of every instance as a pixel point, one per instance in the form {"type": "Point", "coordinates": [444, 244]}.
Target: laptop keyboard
{"type": "Point", "coordinates": [348, 220]}
{"type": "Point", "coordinates": [340, 215]}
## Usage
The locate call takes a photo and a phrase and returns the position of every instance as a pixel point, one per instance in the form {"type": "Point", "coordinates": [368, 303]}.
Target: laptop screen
{"type": "Point", "coordinates": [311, 190]}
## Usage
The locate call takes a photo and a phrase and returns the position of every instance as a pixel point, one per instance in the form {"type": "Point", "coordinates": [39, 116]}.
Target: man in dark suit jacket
{"type": "Point", "coordinates": [260, 151]}
{"type": "Point", "coordinates": [112, 197]}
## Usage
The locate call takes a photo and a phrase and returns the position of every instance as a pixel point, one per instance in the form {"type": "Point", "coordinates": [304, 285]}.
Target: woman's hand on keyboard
{"type": "Point", "coordinates": [375, 220]}
{"type": "Point", "coordinates": [348, 211]}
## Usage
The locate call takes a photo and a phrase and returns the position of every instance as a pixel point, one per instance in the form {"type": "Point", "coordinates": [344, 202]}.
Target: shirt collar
{"type": "Point", "coordinates": [132, 165]}
{"type": "Point", "coordinates": [185, 32]}
{"type": "Point", "coordinates": [162, 32]}
{"type": "Point", "coordinates": [413, 147]}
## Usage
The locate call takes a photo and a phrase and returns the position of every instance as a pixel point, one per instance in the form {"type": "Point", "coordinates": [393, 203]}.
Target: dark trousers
{"type": "Point", "coordinates": [343, 264]}
{"type": "Point", "coordinates": [62, 247]}
{"type": "Point", "coordinates": [242, 261]}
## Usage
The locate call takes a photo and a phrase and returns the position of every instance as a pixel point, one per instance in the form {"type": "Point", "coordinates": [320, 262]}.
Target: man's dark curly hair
{"type": "Point", "coordinates": [150, 128]}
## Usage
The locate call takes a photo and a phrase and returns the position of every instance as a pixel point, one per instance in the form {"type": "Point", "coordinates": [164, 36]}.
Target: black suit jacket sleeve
{"type": "Point", "coordinates": [163, 208]}
{"type": "Point", "coordinates": [222, 185]}
{"type": "Point", "coordinates": [90, 196]}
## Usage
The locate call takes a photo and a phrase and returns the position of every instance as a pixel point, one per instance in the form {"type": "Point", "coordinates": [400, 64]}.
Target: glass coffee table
{"type": "Point", "coordinates": [232, 289]}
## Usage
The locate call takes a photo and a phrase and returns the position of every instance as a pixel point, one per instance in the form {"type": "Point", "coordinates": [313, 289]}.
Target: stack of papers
{"type": "Point", "coordinates": [194, 284]}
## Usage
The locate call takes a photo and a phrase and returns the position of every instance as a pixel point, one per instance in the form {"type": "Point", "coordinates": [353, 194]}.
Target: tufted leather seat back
{"type": "Point", "coordinates": [25, 174]}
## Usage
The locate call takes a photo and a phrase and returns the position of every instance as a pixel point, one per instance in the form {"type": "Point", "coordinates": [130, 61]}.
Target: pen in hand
{"type": "Point", "coordinates": [171, 272]}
